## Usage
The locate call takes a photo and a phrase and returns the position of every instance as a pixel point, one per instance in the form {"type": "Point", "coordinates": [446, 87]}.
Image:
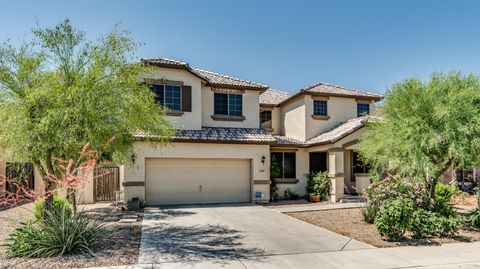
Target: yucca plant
{"type": "Point", "coordinates": [55, 235]}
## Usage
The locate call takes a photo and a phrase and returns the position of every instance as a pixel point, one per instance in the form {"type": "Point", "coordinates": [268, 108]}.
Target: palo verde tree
{"type": "Point", "coordinates": [61, 91]}
{"type": "Point", "coordinates": [427, 128]}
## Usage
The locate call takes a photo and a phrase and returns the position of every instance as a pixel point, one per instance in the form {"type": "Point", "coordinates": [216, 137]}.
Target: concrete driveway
{"type": "Point", "coordinates": [230, 235]}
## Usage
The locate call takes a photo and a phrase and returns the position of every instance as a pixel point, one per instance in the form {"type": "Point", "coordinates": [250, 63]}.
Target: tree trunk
{"type": "Point", "coordinates": [49, 186]}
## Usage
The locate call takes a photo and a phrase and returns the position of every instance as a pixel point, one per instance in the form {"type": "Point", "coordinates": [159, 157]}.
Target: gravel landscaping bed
{"type": "Point", "coordinates": [349, 222]}
{"type": "Point", "coordinates": [119, 247]}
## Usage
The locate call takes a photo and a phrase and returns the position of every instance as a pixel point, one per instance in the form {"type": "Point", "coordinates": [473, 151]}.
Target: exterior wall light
{"type": "Point", "coordinates": [263, 159]}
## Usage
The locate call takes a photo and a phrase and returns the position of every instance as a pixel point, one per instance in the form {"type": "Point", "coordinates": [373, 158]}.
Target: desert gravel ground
{"type": "Point", "coordinates": [349, 222]}
{"type": "Point", "coordinates": [119, 247]}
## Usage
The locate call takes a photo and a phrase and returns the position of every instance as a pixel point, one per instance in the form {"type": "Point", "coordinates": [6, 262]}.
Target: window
{"type": "Point", "coordinates": [363, 109]}
{"type": "Point", "coordinates": [168, 96]}
{"type": "Point", "coordinates": [320, 108]}
{"type": "Point", "coordinates": [266, 119]}
{"type": "Point", "coordinates": [286, 162]}
{"type": "Point", "coordinates": [228, 104]}
{"type": "Point", "coordinates": [358, 165]}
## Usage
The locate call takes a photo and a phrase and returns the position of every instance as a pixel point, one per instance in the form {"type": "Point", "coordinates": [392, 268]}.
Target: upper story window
{"type": "Point", "coordinates": [363, 109]}
{"type": "Point", "coordinates": [320, 108]}
{"type": "Point", "coordinates": [228, 104]}
{"type": "Point", "coordinates": [174, 96]}
{"type": "Point", "coordinates": [285, 161]}
{"type": "Point", "coordinates": [266, 119]}
{"type": "Point", "coordinates": [169, 96]}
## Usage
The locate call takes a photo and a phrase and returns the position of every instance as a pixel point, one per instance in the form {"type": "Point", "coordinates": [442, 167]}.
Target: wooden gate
{"type": "Point", "coordinates": [106, 183]}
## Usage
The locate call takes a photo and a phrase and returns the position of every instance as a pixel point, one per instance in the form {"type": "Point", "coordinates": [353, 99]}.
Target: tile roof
{"type": "Point", "coordinates": [164, 61]}
{"type": "Point", "coordinates": [220, 134]}
{"type": "Point", "coordinates": [331, 89]}
{"type": "Point", "coordinates": [216, 79]}
{"type": "Point", "coordinates": [285, 140]}
{"type": "Point", "coordinates": [273, 97]}
{"type": "Point", "coordinates": [339, 131]}
{"type": "Point", "coordinates": [212, 78]}
{"type": "Point", "coordinates": [336, 133]}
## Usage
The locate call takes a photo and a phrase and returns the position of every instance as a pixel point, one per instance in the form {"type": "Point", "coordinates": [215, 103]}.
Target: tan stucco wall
{"type": "Point", "coordinates": [293, 119]}
{"type": "Point", "coordinates": [339, 110]}
{"type": "Point", "coordinates": [276, 118]}
{"type": "Point", "coordinates": [251, 110]}
{"type": "Point", "coordinates": [136, 172]}
{"type": "Point", "coordinates": [189, 120]}
{"type": "Point", "coordinates": [348, 169]}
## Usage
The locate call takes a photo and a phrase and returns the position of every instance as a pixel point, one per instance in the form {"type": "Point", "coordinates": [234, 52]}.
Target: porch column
{"type": "Point", "coordinates": [336, 173]}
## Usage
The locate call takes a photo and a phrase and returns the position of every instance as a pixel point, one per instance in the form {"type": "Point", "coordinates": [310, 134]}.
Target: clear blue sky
{"type": "Point", "coordinates": [286, 44]}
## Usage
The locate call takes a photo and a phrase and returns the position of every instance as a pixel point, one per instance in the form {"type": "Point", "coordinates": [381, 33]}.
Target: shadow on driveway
{"type": "Point", "coordinates": [166, 240]}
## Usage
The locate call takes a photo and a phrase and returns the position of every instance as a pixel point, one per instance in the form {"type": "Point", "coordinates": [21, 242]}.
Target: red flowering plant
{"type": "Point", "coordinates": [70, 180]}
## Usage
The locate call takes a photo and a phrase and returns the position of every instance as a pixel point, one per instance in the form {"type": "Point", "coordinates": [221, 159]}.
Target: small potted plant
{"type": "Point", "coordinates": [318, 187]}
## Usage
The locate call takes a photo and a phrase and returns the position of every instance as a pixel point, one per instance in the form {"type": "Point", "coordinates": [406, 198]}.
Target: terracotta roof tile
{"type": "Point", "coordinates": [339, 131]}
{"type": "Point", "coordinates": [164, 61]}
{"type": "Point", "coordinates": [212, 78]}
{"type": "Point", "coordinates": [273, 97]}
{"type": "Point", "coordinates": [336, 133]}
{"type": "Point", "coordinates": [217, 79]}
{"type": "Point", "coordinates": [331, 89]}
{"type": "Point", "coordinates": [218, 134]}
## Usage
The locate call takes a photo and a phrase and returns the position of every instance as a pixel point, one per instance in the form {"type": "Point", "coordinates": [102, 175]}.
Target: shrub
{"type": "Point", "coordinates": [275, 171]}
{"type": "Point", "coordinates": [394, 187]}
{"type": "Point", "coordinates": [443, 195]}
{"type": "Point", "coordinates": [319, 184]}
{"type": "Point", "coordinates": [394, 218]}
{"type": "Point", "coordinates": [59, 206]}
{"type": "Point", "coordinates": [424, 223]}
{"type": "Point", "coordinates": [368, 213]}
{"type": "Point", "coordinates": [56, 235]}
{"type": "Point", "coordinates": [448, 226]}
{"type": "Point", "coordinates": [475, 218]}
{"type": "Point", "coordinates": [290, 195]}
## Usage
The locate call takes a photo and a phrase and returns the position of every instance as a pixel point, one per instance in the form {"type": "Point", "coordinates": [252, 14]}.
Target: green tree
{"type": "Point", "coordinates": [427, 128]}
{"type": "Point", "coordinates": [61, 91]}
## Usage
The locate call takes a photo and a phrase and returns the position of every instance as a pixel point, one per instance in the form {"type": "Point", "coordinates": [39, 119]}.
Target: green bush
{"type": "Point", "coordinates": [443, 195]}
{"type": "Point", "coordinates": [56, 235]}
{"type": "Point", "coordinates": [319, 184]}
{"type": "Point", "coordinates": [392, 188]}
{"type": "Point", "coordinates": [290, 195]}
{"type": "Point", "coordinates": [368, 213]}
{"type": "Point", "coordinates": [275, 172]}
{"type": "Point", "coordinates": [475, 218]}
{"type": "Point", "coordinates": [59, 206]}
{"type": "Point", "coordinates": [394, 218]}
{"type": "Point", "coordinates": [448, 226]}
{"type": "Point", "coordinates": [424, 223]}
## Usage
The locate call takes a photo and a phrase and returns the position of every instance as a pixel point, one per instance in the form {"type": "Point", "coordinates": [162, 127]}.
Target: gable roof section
{"type": "Point", "coordinates": [224, 81]}
{"type": "Point", "coordinates": [329, 137]}
{"type": "Point", "coordinates": [211, 78]}
{"type": "Point", "coordinates": [338, 132]}
{"type": "Point", "coordinates": [273, 97]}
{"type": "Point", "coordinates": [328, 89]}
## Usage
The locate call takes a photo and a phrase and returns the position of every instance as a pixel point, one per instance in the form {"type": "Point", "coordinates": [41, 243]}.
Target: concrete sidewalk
{"type": "Point", "coordinates": [457, 255]}
{"type": "Point", "coordinates": [306, 208]}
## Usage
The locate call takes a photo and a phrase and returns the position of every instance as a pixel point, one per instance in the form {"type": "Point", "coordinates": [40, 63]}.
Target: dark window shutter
{"type": "Point", "coordinates": [187, 98]}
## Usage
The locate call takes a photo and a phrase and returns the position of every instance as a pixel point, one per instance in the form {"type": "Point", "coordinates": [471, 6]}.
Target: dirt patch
{"type": "Point", "coordinates": [349, 222]}
{"type": "Point", "coordinates": [119, 247]}
{"type": "Point", "coordinates": [465, 199]}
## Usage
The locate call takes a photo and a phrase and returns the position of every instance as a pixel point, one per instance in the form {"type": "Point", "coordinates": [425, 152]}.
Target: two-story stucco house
{"type": "Point", "coordinates": [230, 129]}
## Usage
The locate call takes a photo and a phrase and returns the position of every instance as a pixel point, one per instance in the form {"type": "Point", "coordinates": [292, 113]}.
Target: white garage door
{"type": "Point", "coordinates": [197, 181]}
